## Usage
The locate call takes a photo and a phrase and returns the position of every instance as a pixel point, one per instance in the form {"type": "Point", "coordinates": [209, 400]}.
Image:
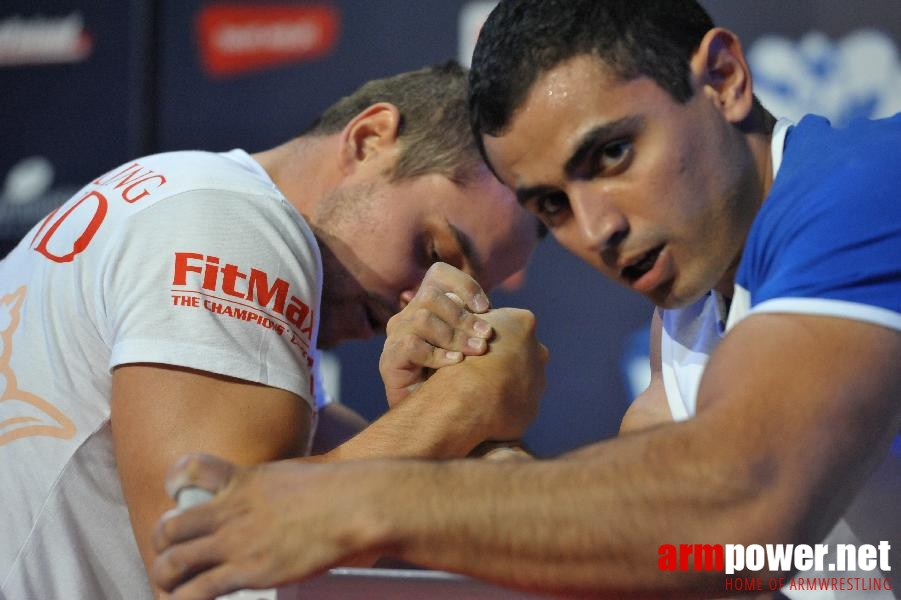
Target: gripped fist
{"type": "Point", "coordinates": [502, 387]}
{"type": "Point", "coordinates": [265, 526]}
{"type": "Point", "coordinates": [438, 327]}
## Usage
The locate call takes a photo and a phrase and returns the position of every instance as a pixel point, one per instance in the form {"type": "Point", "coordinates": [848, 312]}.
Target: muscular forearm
{"type": "Point", "coordinates": [591, 525]}
{"type": "Point", "coordinates": [434, 422]}
{"type": "Point", "coordinates": [770, 458]}
{"type": "Point", "coordinates": [411, 429]}
{"type": "Point", "coordinates": [783, 438]}
{"type": "Point", "coordinates": [489, 397]}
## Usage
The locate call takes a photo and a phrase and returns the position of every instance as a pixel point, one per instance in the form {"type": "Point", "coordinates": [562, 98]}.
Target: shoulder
{"type": "Point", "coordinates": [833, 182]}
{"type": "Point", "coordinates": [189, 170]}
{"type": "Point", "coordinates": [819, 156]}
{"type": "Point", "coordinates": [831, 223]}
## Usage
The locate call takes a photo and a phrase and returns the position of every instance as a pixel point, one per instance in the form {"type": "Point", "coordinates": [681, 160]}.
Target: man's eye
{"type": "Point", "coordinates": [614, 156]}
{"type": "Point", "coordinates": [552, 207]}
{"type": "Point", "coordinates": [434, 255]}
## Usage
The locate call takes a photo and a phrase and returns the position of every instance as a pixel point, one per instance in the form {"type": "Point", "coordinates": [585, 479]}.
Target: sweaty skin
{"type": "Point", "coordinates": [784, 434]}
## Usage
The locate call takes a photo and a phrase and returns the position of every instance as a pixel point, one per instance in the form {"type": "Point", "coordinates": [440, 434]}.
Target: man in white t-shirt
{"type": "Point", "coordinates": [631, 129]}
{"type": "Point", "coordinates": [175, 304]}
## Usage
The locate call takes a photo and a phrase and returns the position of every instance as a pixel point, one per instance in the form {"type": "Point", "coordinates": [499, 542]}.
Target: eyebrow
{"type": "Point", "coordinates": [584, 148]}
{"type": "Point", "coordinates": [590, 140]}
{"type": "Point", "coordinates": [468, 248]}
{"type": "Point", "coordinates": [523, 195]}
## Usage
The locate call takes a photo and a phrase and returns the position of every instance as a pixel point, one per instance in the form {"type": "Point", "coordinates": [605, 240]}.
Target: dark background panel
{"type": "Point", "coordinates": [263, 108]}
{"type": "Point", "coordinates": [143, 88]}
{"type": "Point", "coordinates": [61, 122]}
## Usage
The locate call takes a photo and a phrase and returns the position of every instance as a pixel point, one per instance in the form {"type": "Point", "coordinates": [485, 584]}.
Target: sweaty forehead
{"type": "Point", "coordinates": [566, 103]}
{"type": "Point", "coordinates": [548, 108]}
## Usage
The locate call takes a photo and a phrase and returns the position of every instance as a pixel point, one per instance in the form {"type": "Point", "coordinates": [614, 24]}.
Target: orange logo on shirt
{"type": "Point", "coordinates": [22, 414]}
{"type": "Point", "coordinates": [253, 285]}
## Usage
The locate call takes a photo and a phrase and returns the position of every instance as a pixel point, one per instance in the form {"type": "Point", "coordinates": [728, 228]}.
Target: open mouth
{"type": "Point", "coordinates": [645, 263]}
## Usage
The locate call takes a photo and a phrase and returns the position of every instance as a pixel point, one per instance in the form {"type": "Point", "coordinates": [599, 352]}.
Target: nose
{"type": "Point", "coordinates": [597, 222]}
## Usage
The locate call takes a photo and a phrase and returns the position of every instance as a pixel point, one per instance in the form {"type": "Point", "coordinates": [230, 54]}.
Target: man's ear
{"type": "Point", "coordinates": [719, 69]}
{"type": "Point", "coordinates": [371, 135]}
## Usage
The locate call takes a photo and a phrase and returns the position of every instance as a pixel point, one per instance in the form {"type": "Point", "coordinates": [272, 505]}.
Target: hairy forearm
{"type": "Point", "coordinates": [409, 430]}
{"type": "Point", "coordinates": [591, 525]}
{"type": "Point", "coordinates": [432, 422]}
{"type": "Point", "coordinates": [783, 438]}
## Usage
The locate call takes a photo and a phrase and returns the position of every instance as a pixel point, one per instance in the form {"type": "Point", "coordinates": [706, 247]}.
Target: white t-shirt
{"type": "Point", "coordinates": [192, 259]}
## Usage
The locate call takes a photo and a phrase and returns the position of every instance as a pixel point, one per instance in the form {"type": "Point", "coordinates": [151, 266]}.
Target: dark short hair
{"type": "Point", "coordinates": [434, 127]}
{"type": "Point", "coordinates": [524, 38]}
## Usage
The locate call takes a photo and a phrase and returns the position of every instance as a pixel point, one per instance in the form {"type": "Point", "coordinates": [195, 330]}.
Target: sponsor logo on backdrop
{"type": "Point", "coordinates": [40, 40]}
{"type": "Point", "coordinates": [856, 76]}
{"type": "Point", "coordinates": [237, 39]}
{"type": "Point", "coordinates": [27, 180]}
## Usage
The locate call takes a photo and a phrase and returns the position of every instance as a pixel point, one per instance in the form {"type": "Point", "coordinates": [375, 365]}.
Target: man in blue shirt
{"type": "Point", "coordinates": [771, 249]}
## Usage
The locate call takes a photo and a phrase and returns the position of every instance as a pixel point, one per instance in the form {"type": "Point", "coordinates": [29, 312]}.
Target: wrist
{"type": "Point", "coordinates": [376, 525]}
{"type": "Point", "coordinates": [466, 401]}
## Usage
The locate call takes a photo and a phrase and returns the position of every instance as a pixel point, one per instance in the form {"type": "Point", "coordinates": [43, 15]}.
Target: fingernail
{"type": "Point", "coordinates": [454, 297]}
{"type": "Point", "coordinates": [483, 329]}
{"type": "Point", "coordinates": [480, 302]}
{"type": "Point", "coordinates": [170, 513]}
{"type": "Point", "coordinates": [454, 355]}
{"type": "Point", "coordinates": [475, 343]}
{"type": "Point", "coordinates": [192, 495]}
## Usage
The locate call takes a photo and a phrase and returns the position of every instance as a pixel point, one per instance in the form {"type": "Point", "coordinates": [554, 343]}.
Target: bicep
{"type": "Point", "coordinates": [161, 412]}
{"type": "Point", "coordinates": [806, 406]}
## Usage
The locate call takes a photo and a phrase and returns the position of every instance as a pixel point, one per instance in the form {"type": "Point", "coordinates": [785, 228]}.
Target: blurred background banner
{"type": "Point", "coordinates": [87, 85]}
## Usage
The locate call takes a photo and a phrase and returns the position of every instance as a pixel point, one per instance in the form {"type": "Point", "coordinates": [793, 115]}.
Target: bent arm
{"type": "Point", "coordinates": [492, 397]}
{"type": "Point", "coordinates": [786, 432]}
{"type": "Point", "coordinates": [159, 412]}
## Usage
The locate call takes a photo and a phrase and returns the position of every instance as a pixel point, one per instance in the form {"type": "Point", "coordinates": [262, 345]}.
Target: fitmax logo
{"type": "Point", "coordinates": [253, 285]}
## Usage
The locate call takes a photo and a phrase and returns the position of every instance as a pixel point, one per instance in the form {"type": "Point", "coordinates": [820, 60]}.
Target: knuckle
{"type": "Point", "coordinates": [384, 363]}
{"type": "Point", "coordinates": [165, 533]}
{"type": "Point", "coordinates": [168, 568]}
{"type": "Point", "coordinates": [466, 320]}
{"type": "Point", "coordinates": [409, 344]}
{"type": "Point", "coordinates": [422, 317]}
{"type": "Point", "coordinates": [215, 582]}
{"type": "Point", "coordinates": [544, 353]}
{"type": "Point", "coordinates": [438, 268]}
{"type": "Point", "coordinates": [433, 294]}
{"type": "Point", "coordinates": [394, 322]}
{"type": "Point", "coordinates": [188, 463]}
{"type": "Point", "coordinates": [525, 315]}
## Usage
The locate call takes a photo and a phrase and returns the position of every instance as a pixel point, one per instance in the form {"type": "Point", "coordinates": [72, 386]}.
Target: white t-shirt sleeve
{"type": "Point", "coordinates": [216, 281]}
